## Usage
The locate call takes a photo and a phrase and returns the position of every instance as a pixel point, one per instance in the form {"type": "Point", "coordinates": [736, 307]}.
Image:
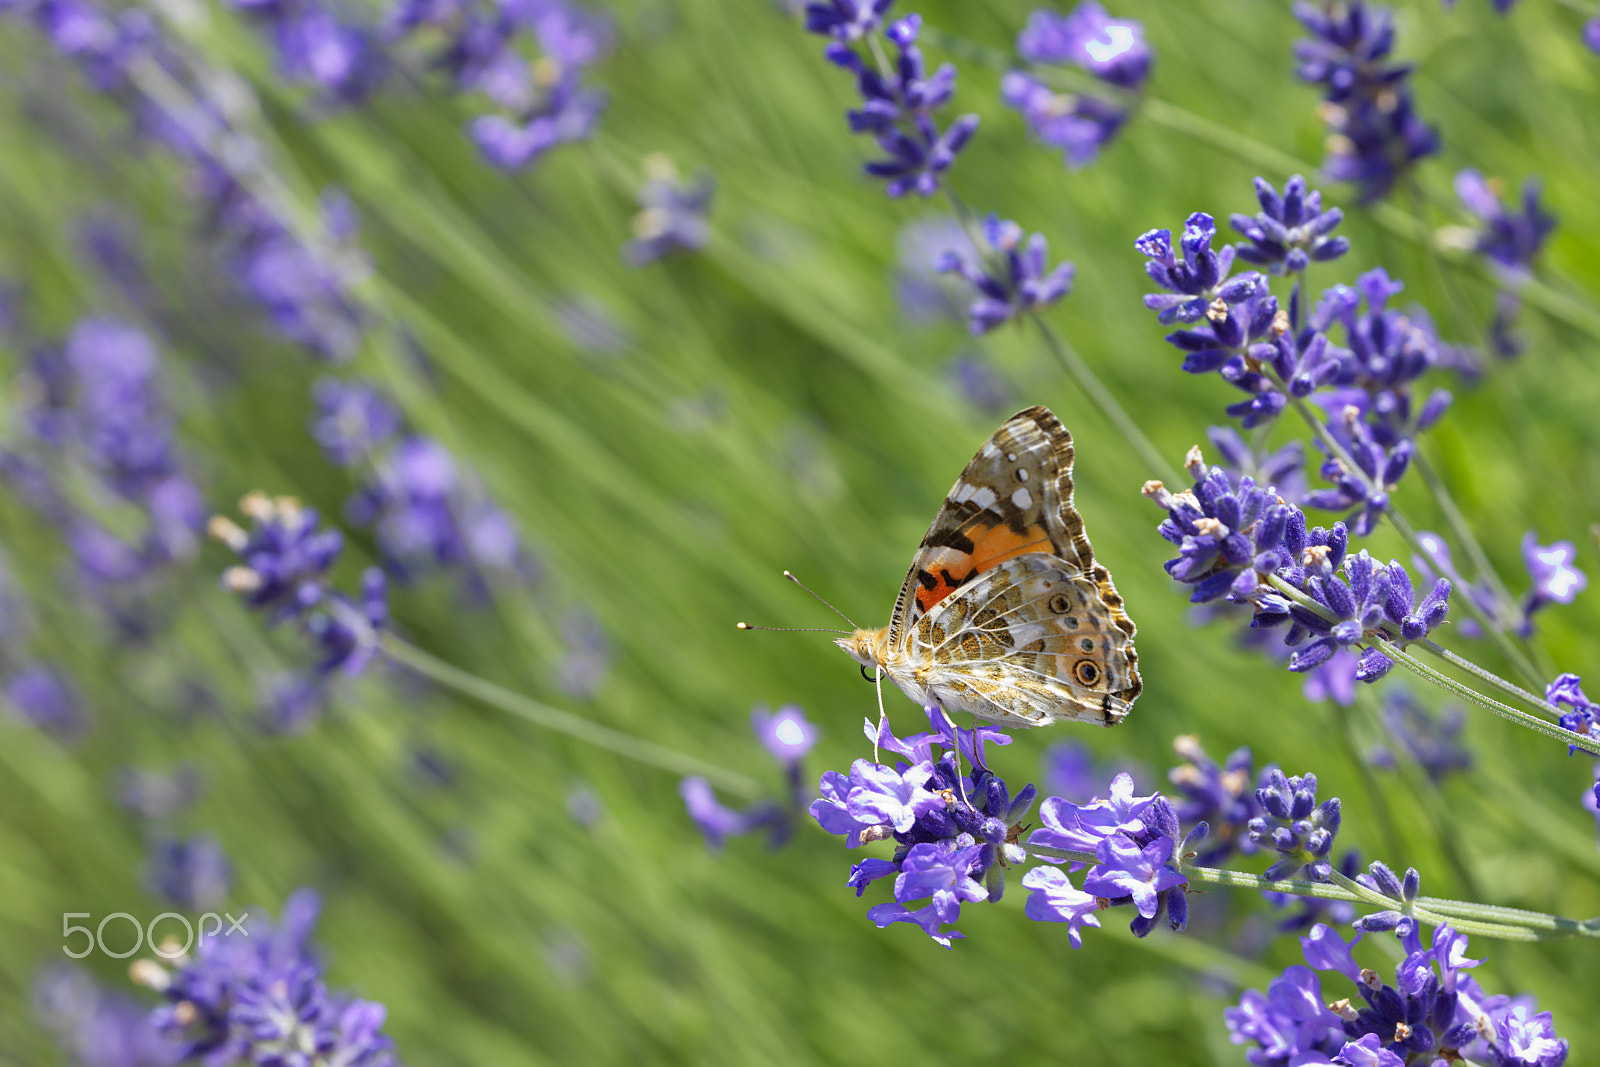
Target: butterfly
{"type": "Point", "coordinates": [1004, 613]}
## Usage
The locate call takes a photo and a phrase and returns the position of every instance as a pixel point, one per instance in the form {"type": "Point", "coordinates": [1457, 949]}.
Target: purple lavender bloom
{"type": "Point", "coordinates": [1113, 50]}
{"type": "Point", "coordinates": [1291, 231]}
{"type": "Point", "coordinates": [42, 697]}
{"type": "Point", "coordinates": [1376, 137]}
{"type": "Point", "coordinates": [570, 114]}
{"type": "Point", "coordinates": [1020, 286]}
{"type": "Point", "coordinates": [191, 873]}
{"type": "Point", "coordinates": [716, 821]}
{"type": "Point", "coordinates": [786, 733]}
{"type": "Point", "coordinates": [1077, 123]}
{"type": "Point", "coordinates": [1282, 470]}
{"type": "Point", "coordinates": [353, 420]}
{"type": "Point", "coordinates": [1125, 869]}
{"type": "Point", "coordinates": [672, 216]}
{"type": "Point", "coordinates": [291, 703]}
{"type": "Point", "coordinates": [1196, 284]}
{"type": "Point", "coordinates": [303, 290]}
{"type": "Point", "coordinates": [1220, 795]}
{"type": "Point", "coordinates": [897, 110]}
{"type": "Point", "coordinates": [1052, 898]}
{"type": "Point", "coordinates": [586, 655]}
{"type": "Point", "coordinates": [1294, 825]}
{"type": "Point", "coordinates": [1555, 579]}
{"type": "Point", "coordinates": [1287, 1022]}
{"type": "Point", "coordinates": [846, 20]}
{"type": "Point", "coordinates": [261, 999]}
{"type": "Point", "coordinates": [1509, 241]}
{"type": "Point", "coordinates": [1432, 741]}
{"type": "Point", "coordinates": [922, 293]}
{"type": "Point", "coordinates": [96, 1026]}
{"type": "Point", "coordinates": [1591, 35]}
{"type": "Point", "coordinates": [286, 558]}
{"type": "Point", "coordinates": [315, 47]}
{"type": "Point", "coordinates": [101, 44]}
{"type": "Point", "coordinates": [1583, 716]}
{"type": "Point", "coordinates": [409, 500]}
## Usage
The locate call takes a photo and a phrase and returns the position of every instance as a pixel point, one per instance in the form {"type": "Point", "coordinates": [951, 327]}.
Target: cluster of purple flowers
{"type": "Point", "coordinates": [1433, 742]}
{"type": "Point", "coordinates": [956, 833]}
{"type": "Point", "coordinates": [788, 736]}
{"type": "Point", "coordinates": [285, 561]}
{"type": "Point", "coordinates": [426, 511]}
{"type": "Point", "coordinates": [539, 103]}
{"type": "Point", "coordinates": [672, 213]}
{"type": "Point", "coordinates": [1433, 1012]}
{"type": "Point", "coordinates": [1113, 51]}
{"type": "Point", "coordinates": [1582, 715]}
{"type": "Point", "coordinates": [898, 96]}
{"type": "Point", "coordinates": [1235, 539]}
{"type": "Point", "coordinates": [1013, 279]}
{"type": "Point", "coordinates": [1375, 135]}
{"type": "Point", "coordinates": [1510, 240]}
{"type": "Point", "coordinates": [1554, 579]}
{"type": "Point", "coordinates": [317, 45]}
{"type": "Point", "coordinates": [259, 997]}
{"type": "Point", "coordinates": [94, 450]}
{"type": "Point", "coordinates": [1366, 386]}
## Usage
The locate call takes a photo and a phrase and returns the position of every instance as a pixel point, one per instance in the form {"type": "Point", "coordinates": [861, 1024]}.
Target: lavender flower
{"type": "Point", "coordinates": [1582, 716]}
{"type": "Point", "coordinates": [1555, 579]}
{"type": "Point", "coordinates": [897, 110]}
{"type": "Point", "coordinates": [286, 558]}
{"type": "Point", "coordinates": [1432, 741]}
{"type": "Point", "coordinates": [1509, 241]}
{"type": "Point", "coordinates": [846, 20]}
{"type": "Point", "coordinates": [1434, 1011]}
{"type": "Point", "coordinates": [353, 420]}
{"type": "Point", "coordinates": [1234, 541]}
{"type": "Point", "coordinates": [97, 1026]}
{"type": "Point", "coordinates": [1591, 34]}
{"type": "Point", "coordinates": [1220, 795]}
{"type": "Point", "coordinates": [315, 47]}
{"type": "Point", "coordinates": [1375, 137]}
{"type": "Point", "coordinates": [1077, 123]}
{"type": "Point", "coordinates": [261, 999]}
{"type": "Point", "coordinates": [541, 104]}
{"type": "Point", "coordinates": [1291, 231]}
{"type": "Point", "coordinates": [42, 697]}
{"type": "Point", "coordinates": [788, 736]}
{"type": "Point", "coordinates": [1017, 283]}
{"type": "Point", "coordinates": [157, 795]}
{"type": "Point", "coordinates": [1113, 50]}
{"type": "Point", "coordinates": [1294, 825]}
{"type": "Point", "coordinates": [191, 873]}
{"type": "Point", "coordinates": [1198, 285]}
{"type": "Point", "coordinates": [672, 216]}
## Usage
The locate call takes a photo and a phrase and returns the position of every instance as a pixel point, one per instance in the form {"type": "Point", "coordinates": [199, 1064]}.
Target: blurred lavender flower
{"type": "Point", "coordinates": [1068, 770]}
{"type": "Point", "coordinates": [190, 873]}
{"type": "Point", "coordinates": [1291, 231]}
{"type": "Point", "coordinates": [1432, 741]}
{"type": "Point", "coordinates": [1509, 241]}
{"type": "Point", "coordinates": [977, 382]}
{"type": "Point", "coordinates": [788, 736]}
{"type": "Point", "coordinates": [96, 1026]}
{"type": "Point", "coordinates": [286, 558]}
{"type": "Point", "coordinates": [261, 999]}
{"type": "Point", "coordinates": [41, 696]}
{"type": "Point", "coordinates": [672, 216]}
{"type": "Point", "coordinates": [586, 655]}
{"type": "Point", "coordinates": [1112, 50]}
{"type": "Point", "coordinates": [353, 420]}
{"type": "Point", "coordinates": [290, 703]}
{"type": "Point", "coordinates": [316, 47]}
{"type": "Point", "coordinates": [156, 795]}
{"type": "Point", "coordinates": [1591, 34]}
{"type": "Point", "coordinates": [541, 103]}
{"type": "Point", "coordinates": [1375, 136]}
{"type": "Point", "coordinates": [897, 110]}
{"type": "Point", "coordinates": [1011, 280]}
{"type": "Point", "coordinates": [1221, 795]}
{"type": "Point", "coordinates": [924, 295]}
{"type": "Point", "coordinates": [1555, 579]}
{"type": "Point", "coordinates": [1282, 470]}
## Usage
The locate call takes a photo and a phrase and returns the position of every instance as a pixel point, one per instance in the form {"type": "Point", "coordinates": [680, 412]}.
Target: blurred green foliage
{"type": "Point", "coordinates": [769, 407]}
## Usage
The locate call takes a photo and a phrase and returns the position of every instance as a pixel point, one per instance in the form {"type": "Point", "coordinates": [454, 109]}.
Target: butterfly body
{"type": "Point", "coordinates": [1004, 612]}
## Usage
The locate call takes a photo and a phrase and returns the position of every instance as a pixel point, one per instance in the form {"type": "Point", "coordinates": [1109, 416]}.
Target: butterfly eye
{"type": "Point", "coordinates": [1086, 672]}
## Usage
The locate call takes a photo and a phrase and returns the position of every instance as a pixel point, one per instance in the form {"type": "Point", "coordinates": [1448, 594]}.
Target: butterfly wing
{"type": "Point", "coordinates": [1031, 641]}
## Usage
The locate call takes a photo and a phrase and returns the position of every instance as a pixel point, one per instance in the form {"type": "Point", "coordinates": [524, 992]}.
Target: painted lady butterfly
{"type": "Point", "coordinates": [1005, 613]}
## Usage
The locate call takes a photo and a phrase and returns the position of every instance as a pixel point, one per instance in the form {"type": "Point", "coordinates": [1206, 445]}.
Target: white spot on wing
{"type": "Point", "coordinates": [1022, 474]}
{"type": "Point", "coordinates": [1022, 499]}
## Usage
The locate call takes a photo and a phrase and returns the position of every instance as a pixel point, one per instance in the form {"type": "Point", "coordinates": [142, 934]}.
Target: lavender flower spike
{"type": "Point", "coordinates": [1200, 279]}
{"type": "Point", "coordinates": [1019, 284]}
{"type": "Point", "coordinates": [1290, 231]}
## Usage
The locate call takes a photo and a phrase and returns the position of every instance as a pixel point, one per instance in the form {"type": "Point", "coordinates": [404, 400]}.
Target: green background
{"type": "Point", "coordinates": [769, 408]}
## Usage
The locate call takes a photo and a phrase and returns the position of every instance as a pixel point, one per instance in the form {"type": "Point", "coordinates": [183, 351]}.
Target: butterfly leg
{"type": "Point", "coordinates": [955, 743]}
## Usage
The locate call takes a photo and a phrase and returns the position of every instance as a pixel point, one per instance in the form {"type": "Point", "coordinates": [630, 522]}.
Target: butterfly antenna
{"type": "Point", "coordinates": [790, 575]}
{"type": "Point", "coordinates": [794, 629]}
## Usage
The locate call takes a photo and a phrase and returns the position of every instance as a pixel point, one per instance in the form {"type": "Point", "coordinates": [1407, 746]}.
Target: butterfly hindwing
{"type": "Point", "coordinates": [1013, 499]}
{"type": "Point", "coordinates": [1029, 642]}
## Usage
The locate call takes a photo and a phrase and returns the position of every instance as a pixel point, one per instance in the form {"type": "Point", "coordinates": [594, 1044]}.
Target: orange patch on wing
{"type": "Point", "coordinates": [1000, 543]}
{"type": "Point", "coordinates": [927, 597]}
